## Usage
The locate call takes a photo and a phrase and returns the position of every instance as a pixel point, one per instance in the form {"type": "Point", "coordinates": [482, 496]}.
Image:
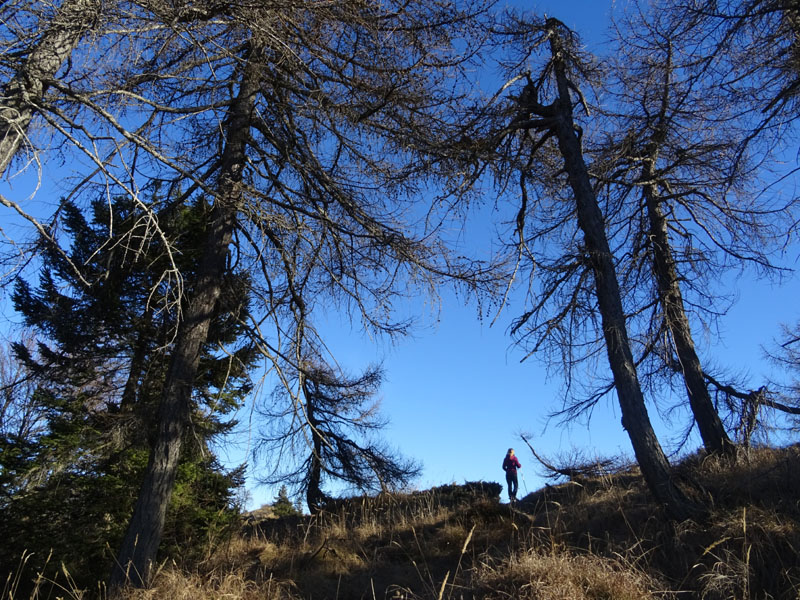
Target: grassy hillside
{"type": "Point", "coordinates": [595, 537]}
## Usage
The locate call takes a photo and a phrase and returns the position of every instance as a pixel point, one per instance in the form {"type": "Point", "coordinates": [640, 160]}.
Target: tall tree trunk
{"type": "Point", "coordinates": [315, 497]}
{"type": "Point", "coordinates": [26, 90]}
{"type": "Point", "coordinates": [140, 544]}
{"type": "Point", "coordinates": [649, 454]}
{"type": "Point", "coordinates": [715, 438]}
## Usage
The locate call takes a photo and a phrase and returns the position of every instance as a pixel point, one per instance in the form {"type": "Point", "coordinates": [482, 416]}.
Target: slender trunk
{"type": "Point", "coordinates": [715, 438]}
{"type": "Point", "coordinates": [25, 91]}
{"type": "Point", "coordinates": [649, 454]}
{"type": "Point", "coordinates": [140, 545]}
{"type": "Point", "coordinates": [314, 495]}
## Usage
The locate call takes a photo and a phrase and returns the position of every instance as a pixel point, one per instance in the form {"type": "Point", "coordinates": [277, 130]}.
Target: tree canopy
{"type": "Point", "coordinates": [236, 170]}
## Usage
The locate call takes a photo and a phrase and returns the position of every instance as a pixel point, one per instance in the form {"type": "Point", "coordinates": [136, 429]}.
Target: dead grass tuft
{"type": "Point", "coordinates": [561, 575]}
{"type": "Point", "coordinates": [177, 585]}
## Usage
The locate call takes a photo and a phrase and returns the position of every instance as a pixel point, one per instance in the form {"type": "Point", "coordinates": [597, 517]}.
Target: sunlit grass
{"type": "Point", "coordinates": [597, 538]}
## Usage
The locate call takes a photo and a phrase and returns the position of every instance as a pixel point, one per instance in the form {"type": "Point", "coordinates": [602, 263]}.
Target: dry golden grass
{"type": "Point", "coordinates": [476, 549]}
{"type": "Point", "coordinates": [177, 585]}
{"type": "Point", "coordinates": [561, 575]}
{"type": "Point", "coordinates": [596, 538]}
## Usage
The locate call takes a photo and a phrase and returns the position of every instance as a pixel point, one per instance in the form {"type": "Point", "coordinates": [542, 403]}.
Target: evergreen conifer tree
{"type": "Point", "coordinates": [99, 365]}
{"type": "Point", "coordinates": [283, 506]}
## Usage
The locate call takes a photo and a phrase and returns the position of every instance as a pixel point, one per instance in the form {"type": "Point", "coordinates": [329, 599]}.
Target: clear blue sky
{"type": "Point", "coordinates": [458, 396]}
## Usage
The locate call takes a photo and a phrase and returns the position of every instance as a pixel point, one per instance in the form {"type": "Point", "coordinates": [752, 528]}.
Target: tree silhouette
{"type": "Point", "coordinates": [98, 370]}
{"type": "Point", "coordinates": [542, 146]}
{"type": "Point", "coordinates": [327, 432]}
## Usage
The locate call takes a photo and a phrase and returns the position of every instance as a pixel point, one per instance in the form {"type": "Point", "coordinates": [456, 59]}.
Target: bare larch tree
{"type": "Point", "coordinates": [37, 62]}
{"type": "Point", "coordinates": [729, 83]}
{"type": "Point", "coordinates": [323, 432]}
{"type": "Point", "coordinates": [536, 123]}
{"type": "Point", "coordinates": [140, 545]}
{"type": "Point", "coordinates": [305, 124]}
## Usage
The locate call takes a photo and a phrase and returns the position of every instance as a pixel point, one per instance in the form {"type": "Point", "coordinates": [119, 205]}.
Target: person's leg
{"type": "Point", "coordinates": [510, 484]}
{"type": "Point", "coordinates": [514, 486]}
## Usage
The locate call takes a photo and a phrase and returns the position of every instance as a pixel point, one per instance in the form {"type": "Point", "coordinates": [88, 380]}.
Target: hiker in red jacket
{"type": "Point", "coordinates": [510, 466]}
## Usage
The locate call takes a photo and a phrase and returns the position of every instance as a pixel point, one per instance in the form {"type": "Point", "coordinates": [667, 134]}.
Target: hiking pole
{"type": "Point", "coordinates": [523, 483]}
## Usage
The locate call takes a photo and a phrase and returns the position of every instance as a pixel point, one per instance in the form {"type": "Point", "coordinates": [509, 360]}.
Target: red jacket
{"type": "Point", "coordinates": [511, 464]}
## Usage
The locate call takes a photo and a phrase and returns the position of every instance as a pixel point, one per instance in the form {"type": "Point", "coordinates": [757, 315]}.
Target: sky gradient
{"type": "Point", "coordinates": [458, 396]}
{"type": "Point", "coordinates": [456, 392]}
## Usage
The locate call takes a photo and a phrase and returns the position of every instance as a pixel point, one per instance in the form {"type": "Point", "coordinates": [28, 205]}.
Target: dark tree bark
{"type": "Point", "coordinates": [25, 91]}
{"type": "Point", "coordinates": [715, 438]}
{"type": "Point", "coordinates": [558, 118]}
{"type": "Point", "coordinates": [327, 432]}
{"type": "Point", "coordinates": [315, 497]}
{"type": "Point", "coordinates": [681, 157]}
{"type": "Point", "coordinates": [140, 545]}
